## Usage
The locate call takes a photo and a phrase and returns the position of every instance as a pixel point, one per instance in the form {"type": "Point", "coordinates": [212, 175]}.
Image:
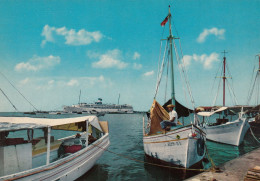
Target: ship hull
{"type": "Point", "coordinates": [183, 147]}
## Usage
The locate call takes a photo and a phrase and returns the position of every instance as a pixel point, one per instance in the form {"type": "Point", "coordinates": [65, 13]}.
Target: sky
{"type": "Point", "coordinates": [50, 50]}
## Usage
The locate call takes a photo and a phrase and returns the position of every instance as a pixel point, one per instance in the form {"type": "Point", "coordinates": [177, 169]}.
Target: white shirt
{"type": "Point", "coordinates": [173, 114]}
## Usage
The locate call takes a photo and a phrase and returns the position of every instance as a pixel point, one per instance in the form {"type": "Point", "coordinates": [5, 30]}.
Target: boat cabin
{"type": "Point", "coordinates": [27, 143]}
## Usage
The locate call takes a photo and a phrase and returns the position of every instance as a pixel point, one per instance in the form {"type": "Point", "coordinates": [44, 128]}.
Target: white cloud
{"type": "Point", "coordinates": [206, 60]}
{"type": "Point", "coordinates": [137, 66]}
{"type": "Point", "coordinates": [219, 33]}
{"type": "Point", "coordinates": [111, 59]}
{"type": "Point", "coordinates": [187, 60]}
{"type": "Point", "coordinates": [82, 37]}
{"type": "Point", "coordinates": [148, 73]}
{"type": "Point", "coordinates": [24, 81]}
{"type": "Point", "coordinates": [51, 82]}
{"type": "Point", "coordinates": [136, 56]}
{"type": "Point", "coordinates": [37, 63]}
{"type": "Point", "coordinates": [73, 82]}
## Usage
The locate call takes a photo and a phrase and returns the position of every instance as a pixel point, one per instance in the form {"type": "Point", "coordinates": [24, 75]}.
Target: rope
{"type": "Point", "coordinates": [19, 91]}
{"type": "Point", "coordinates": [9, 100]}
{"type": "Point", "coordinates": [232, 94]}
{"type": "Point", "coordinates": [161, 71]}
{"type": "Point", "coordinates": [252, 90]}
{"type": "Point", "coordinates": [186, 77]}
{"type": "Point", "coordinates": [214, 101]}
{"type": "Point", "coordinates": [181, 65]}
{"type": "Point", "coordinates": [254, 135]}
{"type": "Point", "coordinates": [213, 166]}
{"type": "Point", "coordinates": [148, 163]}
{"type": "Point", "coordinates": [215, 77]}
{"type": "Point", "coordinates": [231, 86]}
{"type": "Point", "coordinates": [250, 86]}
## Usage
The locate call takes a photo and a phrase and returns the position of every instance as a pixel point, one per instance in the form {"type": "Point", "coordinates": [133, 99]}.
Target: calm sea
{"type": "Point", "coordinates": [126, 139]}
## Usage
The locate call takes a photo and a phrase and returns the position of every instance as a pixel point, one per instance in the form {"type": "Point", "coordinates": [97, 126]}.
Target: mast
{"type": "Point", "coordinates": [224, 76]}
{"type": "Point", "coordinates": [118, 99]}
{"type": "Point", "coordinates": [79, 95]}
{"type": "Point", "coordinates": [258, 79]}
{"type": "Point", "coordinates": [259, 62]}
{"type": "Point", "coordinates": [170, 38]}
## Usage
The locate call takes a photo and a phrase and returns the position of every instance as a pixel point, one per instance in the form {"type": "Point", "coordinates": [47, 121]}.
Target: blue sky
{"type": "Point", "coordinates": [50, 50]}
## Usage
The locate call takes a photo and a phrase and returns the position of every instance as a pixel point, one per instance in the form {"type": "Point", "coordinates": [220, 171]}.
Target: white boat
{"type": "Point", "coordinates": [182, 146]}
{"type": "Point", "coordinates": [23, 157]}
{"type": "Point", "coordinates": [225, 131]}
{"type": "Point", "coordinates": [99, 107]}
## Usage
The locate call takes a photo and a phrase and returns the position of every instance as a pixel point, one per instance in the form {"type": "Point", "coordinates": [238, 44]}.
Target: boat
{"type": "Point", "coordinates": [99, 107]}
{"type": "Point", "coordinates": [182, 145]}
{"type": "Point", "coordinates": [224, 130]}
{"type": "Point", "coordinates": [253, 95]}
{"type": "Point", "coordinates": [221, 128]}
{"type": "Point", "coordinates": [33, 148]}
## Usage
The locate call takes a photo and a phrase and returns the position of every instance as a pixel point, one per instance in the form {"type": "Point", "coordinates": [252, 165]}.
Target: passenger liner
{"type": "Point", "coordinates": [99, 107]}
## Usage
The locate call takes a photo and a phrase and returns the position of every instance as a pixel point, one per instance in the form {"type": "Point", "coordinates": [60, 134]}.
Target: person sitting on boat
{"type": "Point", "coordinates": [173, 118]}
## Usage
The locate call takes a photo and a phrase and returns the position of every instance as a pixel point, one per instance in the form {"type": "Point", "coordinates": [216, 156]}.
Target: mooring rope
{"type": "Point", "coordinates": [154, 164]}
{"type": "Point", "coordinates": [254, 135]}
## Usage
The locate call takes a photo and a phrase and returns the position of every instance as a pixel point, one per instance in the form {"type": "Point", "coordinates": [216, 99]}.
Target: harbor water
{"type": "Point", "coordinates": [126, 159]}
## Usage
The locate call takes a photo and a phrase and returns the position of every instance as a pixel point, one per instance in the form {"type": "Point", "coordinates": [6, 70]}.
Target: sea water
{"type": "Point", "coordinates": [126, 133]}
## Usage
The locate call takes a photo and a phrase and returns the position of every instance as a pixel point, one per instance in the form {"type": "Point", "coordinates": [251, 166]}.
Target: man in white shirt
{"type": "Point", "coordinates": [173, 118]}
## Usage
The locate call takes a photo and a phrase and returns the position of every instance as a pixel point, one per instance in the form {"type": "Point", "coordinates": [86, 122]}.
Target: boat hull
{"type": "Point", "coordinates": [68, 168]}
{"type": "Point", "coordinates": [231, 133]}
{"type": "Point", "coordinates": [183, 147]}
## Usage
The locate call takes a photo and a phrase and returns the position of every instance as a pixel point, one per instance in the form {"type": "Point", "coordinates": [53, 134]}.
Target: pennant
{"type": "Point", "coordinates": [164, 21]}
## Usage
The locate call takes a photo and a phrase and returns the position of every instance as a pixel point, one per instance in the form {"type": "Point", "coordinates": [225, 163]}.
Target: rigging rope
{"type": "Point", "coordinates": [160, 54]}
{"type": "Point", "coordinates": [186, 77]}
{"type": "Point", "coordinates": [161, 71]}
{"type": "Point", "coordinates": [231, 85]}
{"type": "Point", "coordinates": [181, 76]}
{"type": "Point", "coordinates": [232, 94]}
{"type": "Point", "coordinates": [187, 83]}
{"type": "Point", "coordinates": [250, 86]}
{"type": "Point", "coordinates": [216, 77]}
{"type": "Point", "coordinates": [214, 101]}
{"type": "Point", "coordinates": [252, 90]}
{"type": "Point", "coordinates": [254, 135]}
{"type": "Point", "coordinates": [18, 91]}
{"type": "Point", "coordinates": [9, 100]}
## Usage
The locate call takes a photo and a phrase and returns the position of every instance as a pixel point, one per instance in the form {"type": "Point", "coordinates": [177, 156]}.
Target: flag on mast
{"type": "Point", "coordinates": [164, 21]}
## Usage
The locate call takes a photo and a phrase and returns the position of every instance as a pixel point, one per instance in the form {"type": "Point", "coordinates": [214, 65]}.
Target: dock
{"type": "Point", "coordinates": [241, 168]}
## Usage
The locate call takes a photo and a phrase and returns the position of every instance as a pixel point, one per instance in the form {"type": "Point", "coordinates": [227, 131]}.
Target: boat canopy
{"type": "Point", "coordinates": [19, 123]}
{"type": "Point", "coordinates": [181, 110]}
{"type": "Point", "coordinates": [207, 114]}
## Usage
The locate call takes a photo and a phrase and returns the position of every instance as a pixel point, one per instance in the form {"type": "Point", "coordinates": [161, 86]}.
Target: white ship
{"type": "Point", "coordinates": [98, 107]}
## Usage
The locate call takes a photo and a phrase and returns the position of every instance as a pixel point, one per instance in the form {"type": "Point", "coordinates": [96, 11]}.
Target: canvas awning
{"type": "Point", "coordinates": [207, 114]}
{"type": "Point", "coordinates": [17, 123]}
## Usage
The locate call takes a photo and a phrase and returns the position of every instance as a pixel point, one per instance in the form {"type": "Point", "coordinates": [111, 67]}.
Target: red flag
{"type": "Point", "coordinates": [164, 21]}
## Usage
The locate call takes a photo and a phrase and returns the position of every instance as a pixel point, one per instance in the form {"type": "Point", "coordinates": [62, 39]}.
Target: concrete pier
{"type": "Point", "coordinates": [233, 170]}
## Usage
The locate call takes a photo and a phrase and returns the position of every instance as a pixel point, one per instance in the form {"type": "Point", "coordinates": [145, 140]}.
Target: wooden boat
{"type": "Point", "coordinates": [25, 155]}
{"type": "Point", "coordinates": [182, 146]}
{"type": "Point", "coordinates": [224, 130]}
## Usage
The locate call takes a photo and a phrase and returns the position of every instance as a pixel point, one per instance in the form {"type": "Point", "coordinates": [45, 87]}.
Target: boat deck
{"type": "Point", "coordinates": [233, 170]}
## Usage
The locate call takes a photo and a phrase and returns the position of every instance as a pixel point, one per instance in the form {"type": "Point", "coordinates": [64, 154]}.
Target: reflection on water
{"type": "Point", "coordinates": [126, 138]}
